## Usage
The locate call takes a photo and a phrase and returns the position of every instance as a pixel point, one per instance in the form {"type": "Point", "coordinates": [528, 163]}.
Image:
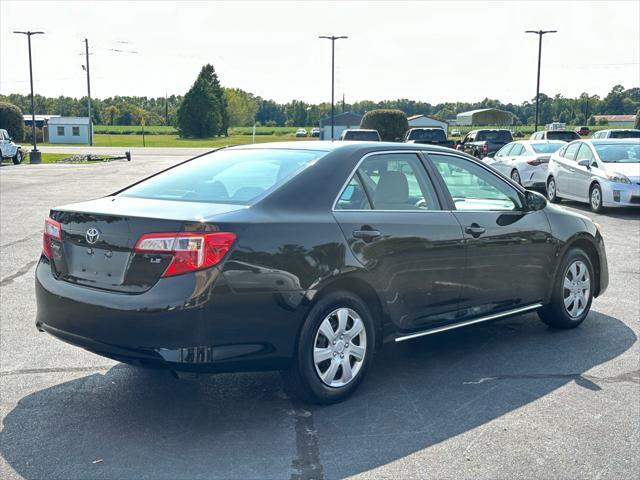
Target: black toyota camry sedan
{"type": "Point", "coordinates": [306, 258]}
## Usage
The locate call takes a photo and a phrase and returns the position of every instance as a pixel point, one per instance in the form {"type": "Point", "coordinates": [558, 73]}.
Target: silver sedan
{"type": "Point", "coordinates": [603, 173]}
{"type": "Point", "coordinates": [525, 161]}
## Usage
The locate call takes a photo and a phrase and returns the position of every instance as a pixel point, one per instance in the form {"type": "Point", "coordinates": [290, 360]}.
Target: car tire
{"type": "Point", "coordinates": [515, 176]}
{"type": "Point", "coordinates": [318, 355]}
{"type": "Point", "coordinates": [595, 198]}
{"type": "Point", "coordinates": [17, 158]}
{"type": "Point", "coordinates": [572, 292]}
{"type": "Point", "coordinates": [552, 191]}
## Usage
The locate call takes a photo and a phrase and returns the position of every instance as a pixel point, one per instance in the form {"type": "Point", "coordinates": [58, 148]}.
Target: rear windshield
{"type": "Point", "coordinates": [494, 136]}
{"type": "Point", "coordinates": [226, 176]}
{"type": "Point", "coordinates": [565, 136]}
{"type": "Point", "coordinates": [432, 135]}
{"type": "Point", "coordinates": [619, 153]}
{"type": "Point", "coordinates": [362, 136]}
{"type": "Point", "coordinates": [546, 147]}
{"type": "Point", "coordinates": [625, 134]}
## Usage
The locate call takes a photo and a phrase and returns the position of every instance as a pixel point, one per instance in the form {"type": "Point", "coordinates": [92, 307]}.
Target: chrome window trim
{"type": "Point", "coordinates": [353, 172]}
{"type": "Point", "coordinates": [472, 321]}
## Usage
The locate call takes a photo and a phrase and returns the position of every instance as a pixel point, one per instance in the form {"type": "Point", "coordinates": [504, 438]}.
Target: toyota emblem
{"type": "Point", "coordinates": [92, 235]}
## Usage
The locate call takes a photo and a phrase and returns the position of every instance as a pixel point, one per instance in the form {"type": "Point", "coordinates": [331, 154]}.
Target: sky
{"type": "Point", "coordinates": [429, 51]}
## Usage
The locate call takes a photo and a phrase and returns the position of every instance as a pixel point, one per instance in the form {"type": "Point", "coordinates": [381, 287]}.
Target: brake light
{"type": "Point", "coordinates": [535, 162]}
{"type": "Point", "coordinates": [52, 231]}
{"type": "Point", "coordinates": [191, 251]}
{"type": "Point", "coordinates": [485, 148]}
{"type": "Point", "coordinates": [538, 161]}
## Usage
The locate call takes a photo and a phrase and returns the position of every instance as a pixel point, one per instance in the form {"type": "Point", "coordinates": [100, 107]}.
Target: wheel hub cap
{"type": "Point", "coordinates": [340, 347]}
{"type": "Point", "coordinates": [576, 288]}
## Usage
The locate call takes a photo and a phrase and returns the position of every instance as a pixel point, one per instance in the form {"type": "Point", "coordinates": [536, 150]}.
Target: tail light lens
{"type": "Point", "coordinates": [191, 251]}
{"type": "Point", "coordinates": [538, 161]}
{"type": "Point", "coordinates": [52, 231]}
{"type": "Point", "coordinates": [485, 148]}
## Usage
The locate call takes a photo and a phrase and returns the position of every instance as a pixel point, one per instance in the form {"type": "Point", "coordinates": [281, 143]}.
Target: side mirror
{"type": "Point", "coordinates": [584, 163]}
{"type": "Point", "coordinates": [535, 201]}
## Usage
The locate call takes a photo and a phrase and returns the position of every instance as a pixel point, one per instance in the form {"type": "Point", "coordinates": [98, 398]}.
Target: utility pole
{"type": "Point", "coordinates": [34, 156]}
{"type": "Point", "coordinates": [166, 111]}
{"type": "Point", "coordinates": [86, 50]}
{"type": "Point", "coordinates": [540, 33]}
{"type": "Point", "coordinates": [333, 56]}
{"type": "Point", "coordinates": [343, 103]}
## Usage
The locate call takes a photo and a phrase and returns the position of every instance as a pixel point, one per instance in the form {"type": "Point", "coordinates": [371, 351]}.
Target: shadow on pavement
{"type": "Point", "coordinates": [622, 213]}
{"type": "Point", "coordinates": [145, 424]}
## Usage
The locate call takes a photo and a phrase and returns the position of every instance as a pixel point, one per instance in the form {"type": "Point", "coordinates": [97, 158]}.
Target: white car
{"type": "Point", "coordinates": [603, 173]}
{"type": "Point", "coordinates": [301, 132]}
{"type": "Point", "coordinates": [8, 149]}
{"type": "Point", "coordinates": [617, 133]}
{"type": "Point", "coordinates": [525, 161]}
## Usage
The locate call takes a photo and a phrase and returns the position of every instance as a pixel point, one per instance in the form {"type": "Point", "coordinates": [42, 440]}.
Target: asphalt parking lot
{"type": "Point", "coordinates": [509, 399]}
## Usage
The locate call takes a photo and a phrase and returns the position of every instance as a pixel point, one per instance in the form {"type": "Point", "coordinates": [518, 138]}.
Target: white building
{"type": "Point", "coordinates": [486, 116]}
{"type": "Point", "coordinates": [617, 120]}
{"type": "Point", "coordinates": [341, 122]}
{"type": "Point", "coordinates": [427, 121]}
{"type": "Point", "coordinates": [69, 130]}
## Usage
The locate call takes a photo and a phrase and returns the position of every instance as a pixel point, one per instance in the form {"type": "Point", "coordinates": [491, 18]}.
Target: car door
{"type": "Point", "coordinates": [3, 144]}
{"type": "Point", "coordinates": [515, 154]}
{"type": "Point", "coordinates": [580, 180]}
{"type": "Point", "coordinates": [411, 249]}
{"type": "Point", "coordinates": [510, 251]}
{"type": "Point", "coordinates": [566, 167]}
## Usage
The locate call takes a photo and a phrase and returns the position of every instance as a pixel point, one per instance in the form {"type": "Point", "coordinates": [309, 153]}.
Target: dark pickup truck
{"type": "Point", "coordinates": [433, 136]}
{"type": "Point", "coordinates": [485, 143]}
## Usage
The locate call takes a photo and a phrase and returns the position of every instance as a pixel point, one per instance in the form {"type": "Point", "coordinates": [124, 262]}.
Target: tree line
{"type": "Point", "coordinates": [238, 108]}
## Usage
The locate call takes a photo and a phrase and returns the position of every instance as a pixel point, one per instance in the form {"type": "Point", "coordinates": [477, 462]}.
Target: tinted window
{"type": "Point", "coordinates": [226, 176]}
{"type": "Point", "coordinates": [430, 135]}
{"type": "Point", "coordinates": [396, 182]}
{"type": "Point", "coordinates": [474, 188]}
{"type": "Point", "coordinates": [362, 136]}
{"type": "Point", "coordinates": [570, 152]}
{"type": "Point", "coordinates": [562, 135]}
{"type": "Point", "coordinates": [354, 196]}
{"type": "Point", "coordinates": [619, 153]}
{"type": "Point", "coordinates": [546, 147]}
{"type": "Point", "coordinates": [625, 134]}
{"type": "Point", "coordinates": [494, 136]}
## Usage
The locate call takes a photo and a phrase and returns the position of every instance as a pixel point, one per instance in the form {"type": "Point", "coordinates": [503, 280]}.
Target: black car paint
{"type": "Point", "coordinates": [246, 313]}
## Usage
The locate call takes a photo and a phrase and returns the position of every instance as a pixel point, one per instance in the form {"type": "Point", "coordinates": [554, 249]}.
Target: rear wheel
{"type": "Point", "coordinates": [515, 176]}
{"type": "Point", "coordinates": [334, 351]}
{"type": "Point", "coordinates": [595, 198]}
{"type": "Point", "coordinates": [17, 158]}
{"type": "Point", "coordinates": [552, 191]}
{"type": "Point", "coordinates": [572, 292]}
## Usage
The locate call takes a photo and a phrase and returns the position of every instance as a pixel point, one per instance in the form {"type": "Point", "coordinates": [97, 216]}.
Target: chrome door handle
{"type": "Point", "coordinates": [366, 235]}
{"type": "Point", "coordinates": [475, 230]}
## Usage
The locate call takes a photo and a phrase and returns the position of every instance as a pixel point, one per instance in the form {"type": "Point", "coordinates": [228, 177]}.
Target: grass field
{"type": "Point", "coordinates": [169, 130]}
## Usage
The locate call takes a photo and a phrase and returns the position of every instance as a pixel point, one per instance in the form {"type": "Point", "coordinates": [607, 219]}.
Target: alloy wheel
{"type": "Point", "coordinates": [551, 189]}
{"type": "Point", "coordinates": [340, 347]}
{"type": "Point", "coordinates": [596, 198]}
{"type": "Point", "coordinates": [515, 176]}
{"type": "Point", "coordinates": [576, 288]}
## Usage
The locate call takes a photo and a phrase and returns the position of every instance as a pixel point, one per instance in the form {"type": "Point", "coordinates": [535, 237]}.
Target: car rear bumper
{"type": "Point", "coordinates": [191, 323]}
{"type": "Point", "coordinates": [535, 177]}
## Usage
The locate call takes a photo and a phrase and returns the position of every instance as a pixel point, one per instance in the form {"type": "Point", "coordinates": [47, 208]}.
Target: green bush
{"type": "Point", "coordinates": [390, 124]}
{"type": "Point", "coordinates": [12, 121]}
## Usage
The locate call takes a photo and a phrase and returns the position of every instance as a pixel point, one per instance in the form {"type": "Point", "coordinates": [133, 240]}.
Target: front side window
{"type": "Point", "coordinates": [584, 153]}
{"type": "Point", "coordinates": [390, 182]}
{"type": "Point", "coordinates": [60, 130]}
{"type": "Point", "coordinates": [474, 188]}
{"type": "Point", "coordinates": [226, 176]}
{"type": "Point", "coordinates": [571, 151]}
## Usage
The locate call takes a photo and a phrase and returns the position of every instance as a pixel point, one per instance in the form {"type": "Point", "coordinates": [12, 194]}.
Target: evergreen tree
{"type": "Point", "coordinates": [202, 113]}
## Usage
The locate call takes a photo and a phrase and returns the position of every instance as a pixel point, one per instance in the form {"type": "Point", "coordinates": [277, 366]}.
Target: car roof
{"type": "Point", "coordinates": [352, 146]}
{"type": "Point", "coordinates": [538, 142]}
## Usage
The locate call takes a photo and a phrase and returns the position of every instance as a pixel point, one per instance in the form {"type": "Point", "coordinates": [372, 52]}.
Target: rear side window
{"type": "Point", "coordinates": [390, 182]}
{"type": "Point", "coordinates": [226, 176]}
{"type": "Point", "coordinates": [564, 136]}
{"type": "Point", "coordinates": [518, 150]}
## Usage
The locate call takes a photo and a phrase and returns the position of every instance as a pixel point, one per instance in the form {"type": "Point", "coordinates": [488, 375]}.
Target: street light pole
{"type": "Point", "coordinates": [34, 156]}
{"type": "Point", "coordinates": [540, 33]}
{"type": "Point", "coordinates": [333, 56]}
{"type": "Point", "coordinates": [86, 52]}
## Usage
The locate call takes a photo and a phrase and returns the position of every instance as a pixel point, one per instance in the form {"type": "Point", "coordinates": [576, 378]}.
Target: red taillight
{"type": "Point", "coordinates": [52, 231]}
{"type": "Point", "coordinates": [191, 251]}
{"type": "Point", "coordinates": [535, 162]}
{"type": "Point", "coordinates": [485, 148]}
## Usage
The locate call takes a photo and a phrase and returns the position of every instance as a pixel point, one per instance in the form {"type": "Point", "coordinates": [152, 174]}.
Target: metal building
{"type": "Point", "coordinates": [486, 116]}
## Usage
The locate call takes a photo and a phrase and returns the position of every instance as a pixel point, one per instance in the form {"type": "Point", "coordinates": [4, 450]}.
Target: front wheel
{"type": "Point", "coordinates": [595, 198]}
{"type": "Point", "coordinates": [572, 292]}
{"type": "Point", "coordinates": [552, 191]}
{"type": "Point", "coordinates": [17, 158]}
{"type": "Point", "coordinates": [334, 351]}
